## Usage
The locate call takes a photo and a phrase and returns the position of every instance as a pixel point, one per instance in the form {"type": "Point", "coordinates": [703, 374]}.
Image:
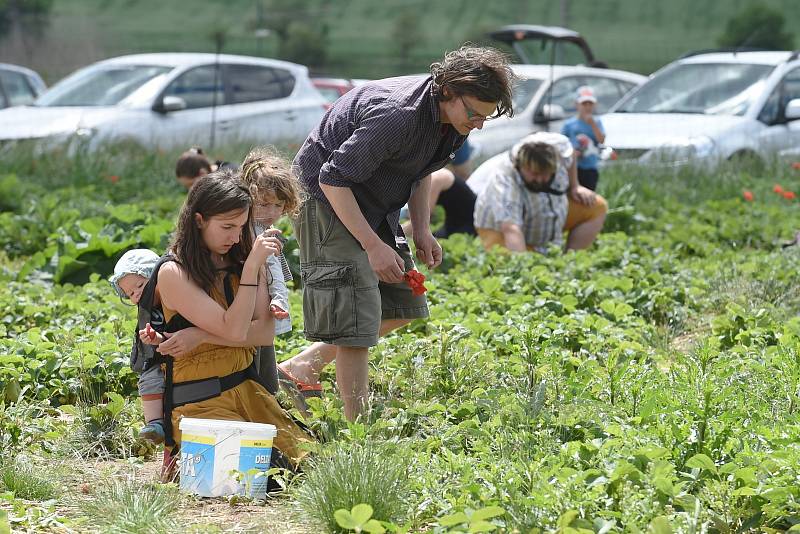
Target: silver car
{"type": "Point", "coordinates": [710, 107]}
{"type": "Point", "coordinates": [19, 86]}
{"type": "Point", "coordinates": [172, 100]}
{"type": "Point", "coordinates": [544, 97]}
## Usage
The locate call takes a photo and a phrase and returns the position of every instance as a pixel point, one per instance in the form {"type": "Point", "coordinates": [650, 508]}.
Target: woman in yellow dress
{"type": "Point", "coordinates": [215, 302]}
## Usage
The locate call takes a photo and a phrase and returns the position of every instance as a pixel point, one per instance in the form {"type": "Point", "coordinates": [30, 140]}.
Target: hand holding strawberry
{"type": "Point", "coordinates": [415, 281]}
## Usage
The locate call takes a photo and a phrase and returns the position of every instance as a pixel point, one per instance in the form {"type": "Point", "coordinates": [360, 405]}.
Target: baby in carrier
{"type": "Point", "coordinates": [131, 274]}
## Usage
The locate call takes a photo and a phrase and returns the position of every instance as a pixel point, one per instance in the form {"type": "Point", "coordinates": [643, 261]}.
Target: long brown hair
{"type": "Point", "coordinates": [480, 72]}
{"type": "Point", "coordinates": [216, 193]}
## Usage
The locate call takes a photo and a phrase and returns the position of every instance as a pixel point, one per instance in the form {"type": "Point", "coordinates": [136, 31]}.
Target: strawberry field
{"type": "Point", "coordinates": [649, 384]}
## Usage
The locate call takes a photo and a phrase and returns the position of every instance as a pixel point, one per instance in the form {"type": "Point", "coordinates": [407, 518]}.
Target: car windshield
{"type": "Point", "coordinates": [100, 86]}
{"type": "Point", "coordinates": [707, 88]}
{"type": "Point", "coordinates": [523, 92]}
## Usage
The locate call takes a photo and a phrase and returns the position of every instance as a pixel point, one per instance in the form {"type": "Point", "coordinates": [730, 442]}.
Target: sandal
{"type": "Point", "coordinates": [298, 390]}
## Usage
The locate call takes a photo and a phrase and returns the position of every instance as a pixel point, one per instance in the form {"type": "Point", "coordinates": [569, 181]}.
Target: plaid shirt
{"type": "Point", "coordinates": [379, 140]}
{"type": "Point", "coordinates": [541, 216]}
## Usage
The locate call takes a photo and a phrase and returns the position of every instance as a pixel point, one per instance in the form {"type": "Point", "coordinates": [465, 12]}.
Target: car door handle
{"type": "Point", "coordinates": [290, 116]}
{"type": "Point", "coordinates": [224, 125]}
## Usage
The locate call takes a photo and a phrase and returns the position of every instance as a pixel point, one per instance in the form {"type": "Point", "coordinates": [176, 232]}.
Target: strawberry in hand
{"type": "Point", "coordinates": [415, 281]}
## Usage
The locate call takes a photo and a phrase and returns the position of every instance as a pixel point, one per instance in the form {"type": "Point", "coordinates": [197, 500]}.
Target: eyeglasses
{"type": "Point", "coordinates": [472, 115]}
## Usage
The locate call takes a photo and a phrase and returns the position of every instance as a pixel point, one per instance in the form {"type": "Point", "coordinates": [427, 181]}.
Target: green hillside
{"type": "Point", "coordinates": [363, 38]}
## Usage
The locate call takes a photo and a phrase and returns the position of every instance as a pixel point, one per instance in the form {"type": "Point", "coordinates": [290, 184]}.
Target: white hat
{"type": "Point", "coordinates": [139, 261]}
{"type": "Point", "coordinates": [585, 94]}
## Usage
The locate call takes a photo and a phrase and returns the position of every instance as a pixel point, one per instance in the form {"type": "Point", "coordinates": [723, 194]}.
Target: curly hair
{"type": "Point", "coordinates": [264, 171]}
{"type": "Point", "coordinates": [480, 72]}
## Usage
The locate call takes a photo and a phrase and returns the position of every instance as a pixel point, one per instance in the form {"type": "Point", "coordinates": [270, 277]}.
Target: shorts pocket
{"type": "Point", "coordinates": [329, 308]}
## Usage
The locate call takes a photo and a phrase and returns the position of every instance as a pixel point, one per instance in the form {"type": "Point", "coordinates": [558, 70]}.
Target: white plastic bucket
{"type": "Point", "coordinates": [213, 451]}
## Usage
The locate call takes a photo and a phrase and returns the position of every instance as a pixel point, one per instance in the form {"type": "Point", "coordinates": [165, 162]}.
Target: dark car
{"type": "Point", "coordinates": [546, 45]}
{"type": "Point", "coordinates": [18, 86]}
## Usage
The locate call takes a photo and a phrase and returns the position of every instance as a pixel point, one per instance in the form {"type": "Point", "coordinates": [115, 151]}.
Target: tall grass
{"type": "Point", "coordinates": [353, 473]}
{"type": "Point", "coordinates": [28, 481]}
{"type": "Point", "coordinates": [123, 506]}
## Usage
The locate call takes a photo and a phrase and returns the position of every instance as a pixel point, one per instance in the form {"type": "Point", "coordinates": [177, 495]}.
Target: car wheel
{"type": "Point", "coordinates": [747, 160]}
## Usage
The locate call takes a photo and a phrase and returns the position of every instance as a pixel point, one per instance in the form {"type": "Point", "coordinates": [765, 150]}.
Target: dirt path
{"type": "Point", "coordinates": [280, 515]}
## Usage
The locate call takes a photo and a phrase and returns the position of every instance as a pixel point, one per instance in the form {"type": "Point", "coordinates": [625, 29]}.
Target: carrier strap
{"type": "Point", "coordinates": [208, 388]}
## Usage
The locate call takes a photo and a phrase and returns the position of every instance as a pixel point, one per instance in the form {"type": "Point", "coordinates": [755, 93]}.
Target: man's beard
{"type": "Point", "coordinates": [540, 187]}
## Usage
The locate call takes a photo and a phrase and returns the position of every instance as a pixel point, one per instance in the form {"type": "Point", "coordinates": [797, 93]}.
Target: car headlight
{"type": "Point", "coordinates": [85, 133]}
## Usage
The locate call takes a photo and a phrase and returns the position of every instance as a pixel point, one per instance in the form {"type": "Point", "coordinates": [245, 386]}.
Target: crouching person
{"type": "Point", "coordinates": [213, 293]}
{"type": "Point", "coordinates": [529, 196]}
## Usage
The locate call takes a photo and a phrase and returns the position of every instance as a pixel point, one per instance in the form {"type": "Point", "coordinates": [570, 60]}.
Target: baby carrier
{"type": "Point", "coordinates": [144, 356]}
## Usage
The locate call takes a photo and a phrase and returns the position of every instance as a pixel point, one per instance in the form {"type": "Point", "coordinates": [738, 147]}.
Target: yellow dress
{"type": "Point", "coordinates": [249, 401]}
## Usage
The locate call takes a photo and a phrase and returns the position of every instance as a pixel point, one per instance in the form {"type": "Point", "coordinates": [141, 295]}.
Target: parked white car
{"type": "Point", "coordinates": [710, 107]}
{"type": "Point", "coordinates": [173, 100]}
{"type": "Point", "coordinates": [544, 97]}
{"type": "Point", "coordinates": [19, 86]}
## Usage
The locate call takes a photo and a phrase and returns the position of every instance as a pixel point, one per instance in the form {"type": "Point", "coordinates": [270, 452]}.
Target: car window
{"type": "Point", "coordinates": [563, 92]}
{"type": "Point", "coordinates": [200, 87]}
{"type": "Point", "coordinates": [18, 90]}
{"type": "Point", "coordinates": [100, 85]}
{"type": "Point", "coordinates": [523, 93]}
{"type": "Point", "coordinates": [787, 90]}
{"type": "Point", "coordinates": [606, 90]}
{"type": "Point", "coordinates": [706, 88]}
{"type": "Point", "coordinates": [252, 83]}
{"type": "Point", "coordinates": [625, 87]}
{"type": "Point", "coordinates": [791, 88]}
{"type": "Point", "coordinates": [544, 52]}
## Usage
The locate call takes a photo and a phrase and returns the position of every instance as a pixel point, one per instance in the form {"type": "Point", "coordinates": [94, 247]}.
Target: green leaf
{"type": "Point", "coordinates": [659, 525]}
{"type": "Point", "coordinates": [345, 520]}
{"type": "Point", "coordinates": [567, 518]}
{"type": "Point", "coordinates": [373, 526]}
{"type": "Point", "coordinates": [569, 302]}
{"type": "Point", "coordinates": [116, 403]}
{"type": "Point", "coordinates": [701, 461]}
{"type": "Point", "coordinates": [453, 519]}
{"type": "Point", "coordinates": [481, 526]}
{"type": "Point", "coordinates": [664, 485]}
{"type": "Point", "coordinates": [361, 513]}
{"type": "Point", "coordinates": [5, 527]}
{"type": "Point", "coordinates": [487, 513]}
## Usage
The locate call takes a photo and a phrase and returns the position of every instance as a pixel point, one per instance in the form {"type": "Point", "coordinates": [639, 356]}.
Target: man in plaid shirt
{"type": "Point", "coordinates": [372, 153]}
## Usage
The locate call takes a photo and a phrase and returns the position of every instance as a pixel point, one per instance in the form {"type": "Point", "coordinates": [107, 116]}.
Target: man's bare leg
{"type": "Point", "coordinates": [352, 378]}
{"type": "Point", "coordinates": [584, 234]}
{"type": "Point", "coordinates": [307, 365]}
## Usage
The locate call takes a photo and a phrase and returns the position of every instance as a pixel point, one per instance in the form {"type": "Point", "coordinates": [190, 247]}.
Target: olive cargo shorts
{"type": "Point", "coordinates": [343, 300]}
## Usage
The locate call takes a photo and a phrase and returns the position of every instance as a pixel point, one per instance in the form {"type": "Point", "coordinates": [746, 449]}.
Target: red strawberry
{"type": "Point", "coordinates": [415, 281]}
